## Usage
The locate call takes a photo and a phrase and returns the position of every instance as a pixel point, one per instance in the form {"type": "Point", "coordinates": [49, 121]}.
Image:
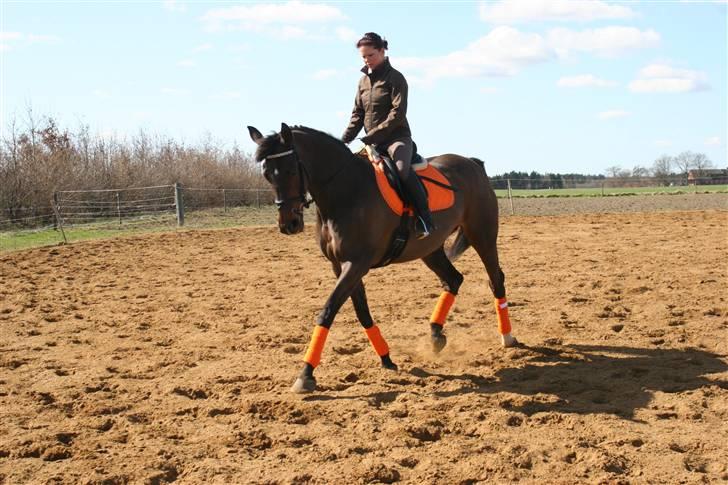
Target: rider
{"type": "Point", "coordinates": [380, 106]}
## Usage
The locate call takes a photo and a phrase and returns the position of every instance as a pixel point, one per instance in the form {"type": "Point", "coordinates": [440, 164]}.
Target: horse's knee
{"type": "Point", "coordinates": [454, 284]}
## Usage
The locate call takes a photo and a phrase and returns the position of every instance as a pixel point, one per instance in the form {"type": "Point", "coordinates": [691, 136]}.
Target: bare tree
{"type": "Point", "coordinates": [614, 171]}
{"type": "Point", "coordinates": [640, 171]}
{"type": "Point", "coordinates": [701, 162]}
{"type": "Point", "coordinates": [662, 168]}
{"type": "Point", "coordinates": [684, 162]}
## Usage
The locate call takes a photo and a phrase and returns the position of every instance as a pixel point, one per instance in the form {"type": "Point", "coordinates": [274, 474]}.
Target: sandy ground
{"type": "Point", "coordinates": [168, 357]}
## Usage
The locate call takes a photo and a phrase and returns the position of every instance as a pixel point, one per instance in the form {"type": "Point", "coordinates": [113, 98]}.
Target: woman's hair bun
{"type": "Point", "coordinates": [374, 40]}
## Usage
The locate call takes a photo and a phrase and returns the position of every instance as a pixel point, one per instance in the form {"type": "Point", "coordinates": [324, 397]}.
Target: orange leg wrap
{"type": "Point", "coordinates": [316, 346]}
{"type": "Point", "coordinates": [442, 308]}
{"type": "Point", "coordinates": [378, 342]}
{"type": "Point", "coordinates": [504, 323]}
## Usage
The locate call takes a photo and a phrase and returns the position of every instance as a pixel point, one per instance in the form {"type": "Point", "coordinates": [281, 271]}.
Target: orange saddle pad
{"type": "Point", "coordinates": [439, 198]}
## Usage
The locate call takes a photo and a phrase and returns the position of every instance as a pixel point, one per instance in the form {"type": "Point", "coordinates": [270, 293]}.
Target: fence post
{"type": "Point", "coordinates": [602, 188]}
{"type": "Point", "coordinates": [118, 208]}
{"type": "Point", "coordinates": [179, 206]}
{"type": "Point", "coordinates": [224, 201]}
{"type": "Point", "coordinates": [510, 196]}
{"type": "Point", "coordinates": [54, 205]}
{"type": "Point", "coordinates": [58, 216]}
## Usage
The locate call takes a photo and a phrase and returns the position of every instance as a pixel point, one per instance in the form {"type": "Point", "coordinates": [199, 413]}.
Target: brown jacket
{"type": "Point", "coordinates": [380, 106]}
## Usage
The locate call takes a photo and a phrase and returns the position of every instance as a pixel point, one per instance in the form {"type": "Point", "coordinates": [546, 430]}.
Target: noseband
{"type": "Point", "coordinates": [301, 197]}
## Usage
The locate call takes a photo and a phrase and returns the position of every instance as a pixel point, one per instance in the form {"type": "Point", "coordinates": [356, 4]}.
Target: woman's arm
{"type": "Point", "coordinates": [357, 120]}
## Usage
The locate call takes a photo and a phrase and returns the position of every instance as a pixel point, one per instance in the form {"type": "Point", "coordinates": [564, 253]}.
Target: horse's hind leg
{"type": "Point", "coordinates": [451, 280]}
{"type": "Point", "coordinates": [485, 245]}
{"type": "Point", "coordinates": [361, 307]}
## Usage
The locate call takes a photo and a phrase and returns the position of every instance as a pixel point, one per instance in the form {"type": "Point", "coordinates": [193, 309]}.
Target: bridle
{"type": "Point", "coordinates": [301, 197]}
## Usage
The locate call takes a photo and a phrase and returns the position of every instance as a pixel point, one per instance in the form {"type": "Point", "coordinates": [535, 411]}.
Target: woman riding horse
{"type": "Point", "coordinates": [380, 106]}
{"type": "Point", "coordinates": [354, 225]}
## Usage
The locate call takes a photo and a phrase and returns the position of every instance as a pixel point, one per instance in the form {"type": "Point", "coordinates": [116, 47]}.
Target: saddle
{"type": "Point", "coordinates": [440, 194]}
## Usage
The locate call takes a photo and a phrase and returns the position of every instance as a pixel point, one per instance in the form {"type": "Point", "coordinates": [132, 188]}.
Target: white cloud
{"type": "Point", "coordinates": [346, 34]}
{"type": "Point", "coordinates": [202, 47]}
{"type": "Point", "coordinates": [186, 63]}
{"type": "Point", "coordinates": [606, 41]}
{"type": "Point", "coordinates": [101, 93]}
{"type": "Point", "coordinates": [174, 5]}
{"type": "Point", "coordinates": [239, 48]}
{"type": "Point", "coordinates": [662, 78]}
{"type": "Point", "coordinates": [503, 52]}
{"type": "Point", "coordinates": [324, 74]}
{"type": "Point", "coordinates": [10, 36]}
{"type": "Point", "coordinates": [584, 80]}
{"type": "Point", "coordinates": [10, 40]}
{"type": "Point", "coordinates": [174, 91]}
{"type": "Point", "coordinates": [713, 141]}
{"type": "Point", "coordinates": [284, 20]}
{"type": "Point", "coordinates": [614, 113]}
{"type": "Point", "coordinates": [489, 90]}
{"type": "Point", "coordinates": [514, 11]}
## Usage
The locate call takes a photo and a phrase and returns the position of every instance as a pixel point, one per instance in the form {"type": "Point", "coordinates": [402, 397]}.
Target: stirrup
{"type": "Point", "coordinates": [426, 228]}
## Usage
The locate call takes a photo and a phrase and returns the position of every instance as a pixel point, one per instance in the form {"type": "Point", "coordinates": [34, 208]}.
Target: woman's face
{"type": "Point", "coordinates": [372, 57]}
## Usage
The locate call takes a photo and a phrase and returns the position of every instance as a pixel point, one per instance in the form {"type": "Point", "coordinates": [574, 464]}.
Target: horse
{"type": "Point", "coordinates": [354, 227]}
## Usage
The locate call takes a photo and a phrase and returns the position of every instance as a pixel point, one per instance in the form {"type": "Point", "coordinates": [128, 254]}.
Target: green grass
{"type": "Point", "coordinates": [197, 219]}
{"type": "Point", "coordinates": [597, 191]}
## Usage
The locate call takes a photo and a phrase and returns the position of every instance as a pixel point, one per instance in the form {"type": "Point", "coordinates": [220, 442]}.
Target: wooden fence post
{"type": "Point", "coordinates": [118, 208]}
{"type": "Point", "coordinates": [510, 196]}
{"type": "Point", "coordinates": [224, 201]}
{"type": "Point", "coordinates": [179, 205]}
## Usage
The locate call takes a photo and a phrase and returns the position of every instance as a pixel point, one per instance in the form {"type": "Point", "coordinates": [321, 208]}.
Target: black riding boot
{"type": "Point", "coordinates": [423, 225]}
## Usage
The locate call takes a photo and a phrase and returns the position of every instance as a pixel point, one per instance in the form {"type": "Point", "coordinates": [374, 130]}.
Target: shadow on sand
{"type": "Point", "coordinates": [582, 379]}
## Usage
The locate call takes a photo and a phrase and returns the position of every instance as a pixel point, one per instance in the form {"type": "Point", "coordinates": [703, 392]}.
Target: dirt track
{"type": "Point", "coordinates": [168, 357]}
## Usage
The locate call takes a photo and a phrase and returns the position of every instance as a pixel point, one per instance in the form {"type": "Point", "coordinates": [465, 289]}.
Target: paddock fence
{"type": "Point", "coordinates": [73, 215]}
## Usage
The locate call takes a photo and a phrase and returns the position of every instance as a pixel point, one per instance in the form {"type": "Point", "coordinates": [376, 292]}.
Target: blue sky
{"type": "Point", "coordinates": [557, 85]}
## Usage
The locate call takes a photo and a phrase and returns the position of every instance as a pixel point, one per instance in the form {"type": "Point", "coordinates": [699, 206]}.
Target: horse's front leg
{"type": "Point", "coordinates": [350, 276]}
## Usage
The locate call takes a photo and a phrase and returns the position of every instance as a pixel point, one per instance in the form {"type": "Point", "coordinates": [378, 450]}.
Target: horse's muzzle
{"type": "Point", "coordinates": [294, 226]}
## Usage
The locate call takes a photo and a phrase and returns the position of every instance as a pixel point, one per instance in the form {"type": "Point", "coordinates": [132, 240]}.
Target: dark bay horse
{"type": "Point", "coordinates": [354, 226]}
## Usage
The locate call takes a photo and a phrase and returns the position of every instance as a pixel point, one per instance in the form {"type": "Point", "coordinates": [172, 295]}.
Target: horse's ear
{"type": "Point", "coordinates": [255, 135]}
{"type": "Point", "coordinates": [286, 135]}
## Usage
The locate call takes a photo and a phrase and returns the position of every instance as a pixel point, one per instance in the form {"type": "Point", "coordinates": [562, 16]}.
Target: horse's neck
{"type": "Point", "coordinates": [332, 174]}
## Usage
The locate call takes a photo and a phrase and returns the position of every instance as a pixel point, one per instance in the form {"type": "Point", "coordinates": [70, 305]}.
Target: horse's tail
{"type": "Point", "coordinates": [459, 246]}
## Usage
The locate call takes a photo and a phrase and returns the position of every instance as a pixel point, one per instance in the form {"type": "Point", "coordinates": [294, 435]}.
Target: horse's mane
{"type": "Point", "coordinates": [273, 141]}
{"type": "Point", "coordinates": [336, 142]}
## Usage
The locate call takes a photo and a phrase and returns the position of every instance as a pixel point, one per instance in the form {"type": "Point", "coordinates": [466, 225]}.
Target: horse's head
{"type": "Point", "coordinates": [284, 171]}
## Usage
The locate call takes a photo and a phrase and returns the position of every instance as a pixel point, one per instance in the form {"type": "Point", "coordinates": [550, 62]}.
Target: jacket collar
{"type": "Point", "coordinates": [380, 69]}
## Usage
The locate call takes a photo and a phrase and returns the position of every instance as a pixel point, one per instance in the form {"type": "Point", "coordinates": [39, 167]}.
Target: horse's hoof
{"type": "Point", "coordinates": [304, 385]}
{"type": "Point", "coordinates": [438, 343]}
{"type": "Point", "coordinates": [508, 340]}
{"type": "Point", "coordinates": [388, 364]}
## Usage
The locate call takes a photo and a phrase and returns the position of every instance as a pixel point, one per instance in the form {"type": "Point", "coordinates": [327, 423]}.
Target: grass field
{"type": "Point", "coordinates": [197, 219]}
{"type": "Point", "coordinates": [614, 191]}
{"type": "Point", "coordinates": [265, 216]}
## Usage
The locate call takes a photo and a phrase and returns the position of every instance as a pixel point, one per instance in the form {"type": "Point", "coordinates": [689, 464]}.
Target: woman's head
{"type": "Point", "coordinates": [372, 47]}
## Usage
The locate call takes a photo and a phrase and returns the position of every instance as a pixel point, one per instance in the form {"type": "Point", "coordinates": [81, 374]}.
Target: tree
{"type": "Point", "coordinates": [701, 162]}
{"type": "Point", "coordinates": [684, 162]}
{"type": "Point", "coordinates": [613, 171]}
{"type": "Point", "coordinates": [662, 168]}
{"type": "Point", "coordinates": [640, 171]}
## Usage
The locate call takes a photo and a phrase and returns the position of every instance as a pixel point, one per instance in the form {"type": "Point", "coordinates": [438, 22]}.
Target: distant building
{"type": "Point", "coordinates": [708, 176]}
